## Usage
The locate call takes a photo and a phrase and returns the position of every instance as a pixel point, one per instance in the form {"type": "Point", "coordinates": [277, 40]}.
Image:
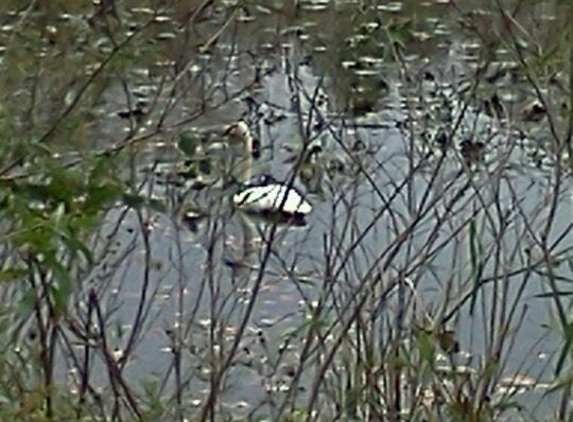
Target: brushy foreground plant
{"type": "Point", "coordinates": [430, 284]}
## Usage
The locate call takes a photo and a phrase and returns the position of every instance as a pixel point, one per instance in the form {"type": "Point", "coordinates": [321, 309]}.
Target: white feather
{"type": "Point", "coordinates": [271, 198]}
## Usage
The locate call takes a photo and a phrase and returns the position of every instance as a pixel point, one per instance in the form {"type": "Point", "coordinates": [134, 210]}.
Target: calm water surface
{"type": "Point", "coordinates": [327, 74]}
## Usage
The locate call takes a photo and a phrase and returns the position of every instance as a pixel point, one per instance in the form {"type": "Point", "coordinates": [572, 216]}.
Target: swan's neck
{"type": "Point", "coordinates": [245, 164]}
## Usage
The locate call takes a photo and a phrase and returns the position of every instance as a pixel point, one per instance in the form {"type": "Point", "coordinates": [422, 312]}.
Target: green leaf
{"type": "Point", "coordinates": [76, 245]}
{"type": "Point", "coordinates": [100, 197]}
{"type": "Point", "coordinates": [568, 335]}
{"type": "Point", "coordinates": [26, 304]}
{"type": "Point", "coordinates": [140, 201]}
{"type": "Point", "coordinates": [426, 347]}
{"type": "Point", "coordinates": [157, 205]}
{"type": "Point", "coordinates": [13, 274]}
{"type": "Point", "coordinates": [188, 143]}
{"type": "Point", "coordinates": [61, 288]}
{"type": "Point", "coordinates": [133, 200]}
{"type": "Point", "coordinates": [58, 216]}
{"type": "Point", "coordinates": [100, 170]}
{"type": "Point", "coordinates": [38, 239]}
{"type": "Point", "coordinates": [154, 403]}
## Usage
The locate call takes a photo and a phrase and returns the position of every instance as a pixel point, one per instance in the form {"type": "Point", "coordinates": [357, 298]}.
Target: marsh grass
{"type": "Point", "coordinates": [431, 283]}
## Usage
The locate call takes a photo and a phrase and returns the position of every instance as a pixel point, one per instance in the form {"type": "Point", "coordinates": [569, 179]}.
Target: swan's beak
{"type": "Point", "coordinates": [230, 129]}
{"type": "Point", "coordinates": [232, 133]}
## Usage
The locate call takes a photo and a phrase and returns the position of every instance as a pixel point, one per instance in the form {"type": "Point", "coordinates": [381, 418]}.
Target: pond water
{"type": "Point", "coordinates": [407, 222]}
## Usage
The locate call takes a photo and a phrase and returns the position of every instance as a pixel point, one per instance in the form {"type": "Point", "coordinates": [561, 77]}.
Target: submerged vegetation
{"type": "Point", "coordinates": [430, 282]}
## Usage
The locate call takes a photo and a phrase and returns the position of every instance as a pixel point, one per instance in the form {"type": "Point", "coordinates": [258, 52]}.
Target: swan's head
{"type": "Point", "coordinates": [239, 132]}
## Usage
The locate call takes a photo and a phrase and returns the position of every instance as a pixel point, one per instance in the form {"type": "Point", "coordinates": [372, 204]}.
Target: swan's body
{"type": "Point", "coordinates": [271, 198]}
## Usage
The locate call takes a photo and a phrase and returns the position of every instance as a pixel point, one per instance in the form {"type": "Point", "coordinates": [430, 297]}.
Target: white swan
{"type": "Point", "coordinates": [269, 198]}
